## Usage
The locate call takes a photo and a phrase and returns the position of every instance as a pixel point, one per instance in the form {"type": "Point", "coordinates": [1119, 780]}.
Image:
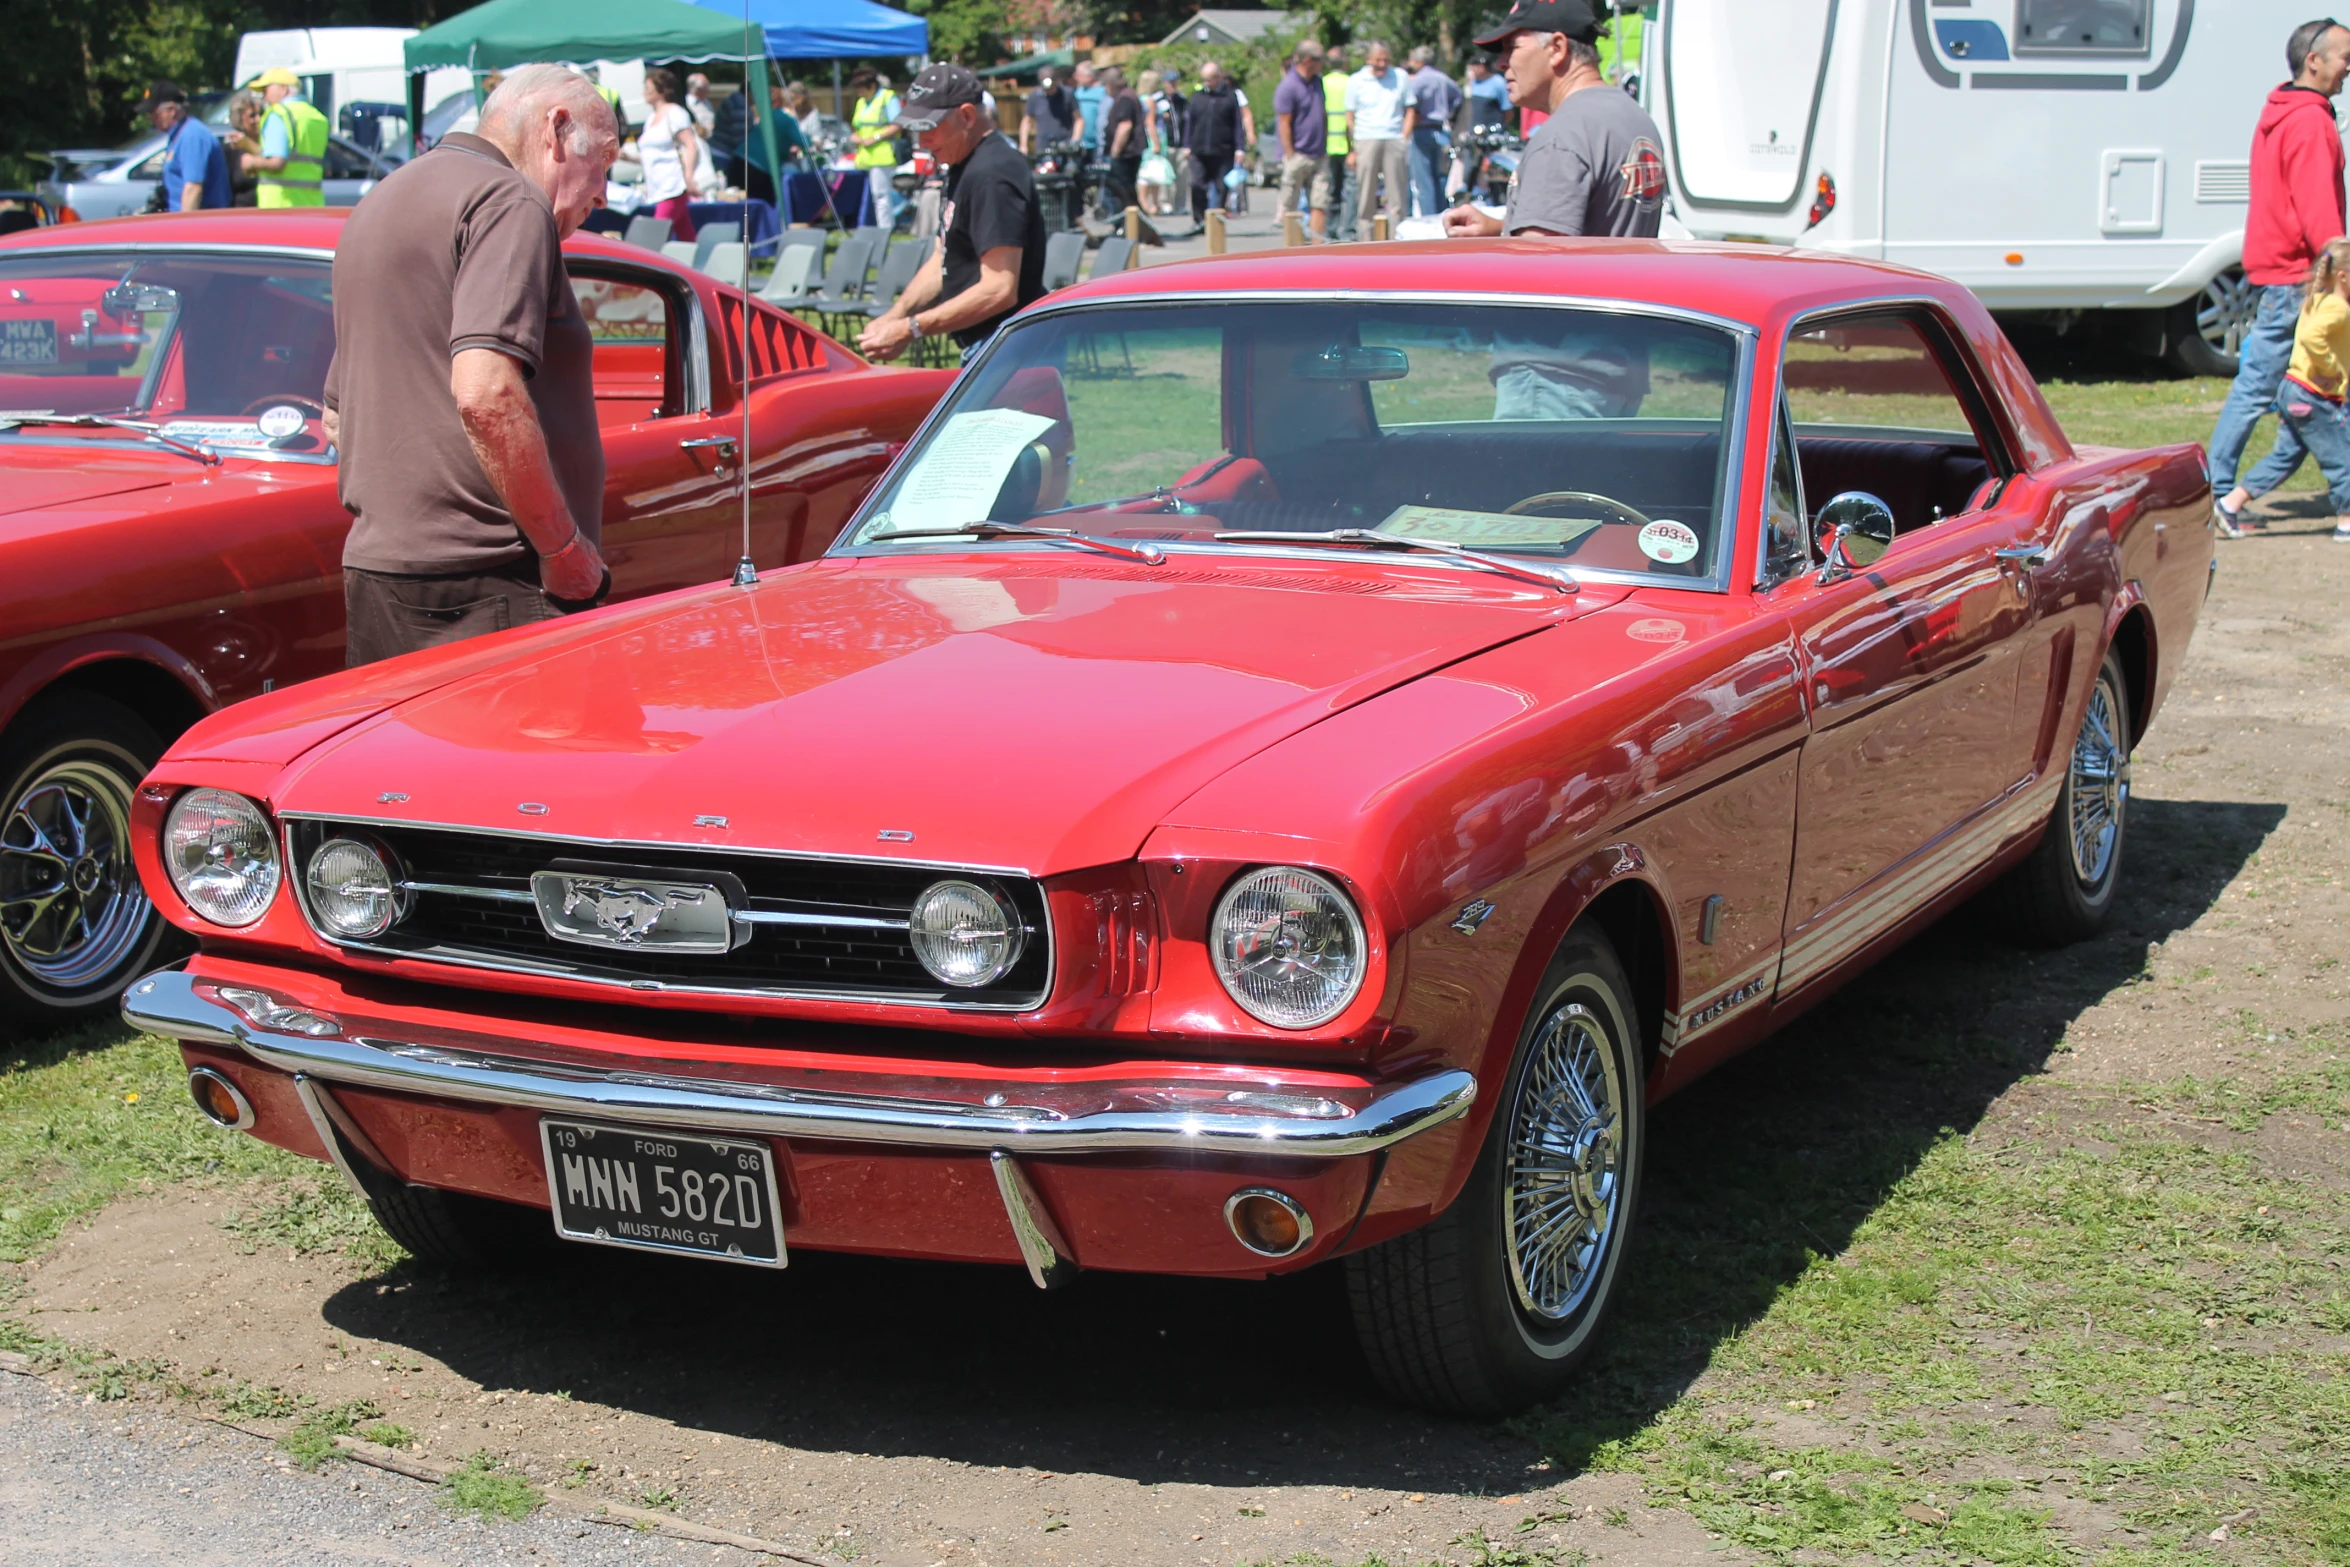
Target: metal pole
{"type": "Point", "coordinates": [746, 573]}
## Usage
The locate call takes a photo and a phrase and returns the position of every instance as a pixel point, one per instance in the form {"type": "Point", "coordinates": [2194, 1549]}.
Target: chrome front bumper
{"type": "Point", "coordinates": [1024, 1118]}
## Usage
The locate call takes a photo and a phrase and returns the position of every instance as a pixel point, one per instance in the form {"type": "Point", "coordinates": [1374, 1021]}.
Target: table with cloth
{"type": "Point", "coordinates": [761, 225]}
{"type": "Point", "coordinates": [851, 191]}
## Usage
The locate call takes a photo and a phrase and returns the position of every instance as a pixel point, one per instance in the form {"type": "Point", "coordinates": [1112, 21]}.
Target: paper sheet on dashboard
{"type": "Point", "coordinates": [1491, 529]}
{"type": "Point", "coordinates": [963, 468]}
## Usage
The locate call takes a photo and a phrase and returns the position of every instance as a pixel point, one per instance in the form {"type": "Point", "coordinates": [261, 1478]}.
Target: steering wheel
{"type": "Point", "coordinates": [315, 408]}
{"type": "Point", "coordinates": [1616, 510]}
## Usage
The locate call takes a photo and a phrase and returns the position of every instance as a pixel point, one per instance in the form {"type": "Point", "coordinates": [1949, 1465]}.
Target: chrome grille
{"type": "Point", "coordinates": [813, 927]}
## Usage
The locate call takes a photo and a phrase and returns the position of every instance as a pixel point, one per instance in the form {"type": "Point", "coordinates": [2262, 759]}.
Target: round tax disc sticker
{"type": "Point", "coordinates": [1656, 631]}
{"type": "Point", "coordinates": [284, 419]}
{"type": "Point", "coordinates": [1670, 542]}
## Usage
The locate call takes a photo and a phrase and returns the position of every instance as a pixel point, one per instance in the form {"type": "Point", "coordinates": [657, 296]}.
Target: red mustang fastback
{"type": "Point", "coordinates": [173, 535]}
{"type": "Point", "coordinates": [1296, 757]}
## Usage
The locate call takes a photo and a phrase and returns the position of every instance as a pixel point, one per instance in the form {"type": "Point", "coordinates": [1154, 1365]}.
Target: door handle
{"type": "Point", "coordinates": [724, 443]}
{"type": "Point", "coordinates": [2024, 555]}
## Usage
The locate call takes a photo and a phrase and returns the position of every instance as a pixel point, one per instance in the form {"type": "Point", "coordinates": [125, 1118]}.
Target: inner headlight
{"type": "Point", "coordinates": [1288, 946]}
{"type": "Point", "coordinates": [353, 892]}
{"type": "Point", "coordinates": [965, 934]}
{"type": "Point", "coordinates": [220, 854]}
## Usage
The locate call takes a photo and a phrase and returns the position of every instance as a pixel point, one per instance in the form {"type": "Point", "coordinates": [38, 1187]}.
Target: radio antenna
{"type": "Point", "coordinates": [746, 573]}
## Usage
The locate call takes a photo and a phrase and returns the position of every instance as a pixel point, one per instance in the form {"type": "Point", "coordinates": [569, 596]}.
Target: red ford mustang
{"type": "Point", "coordinates": [1300, 753]}
{"type": "Point", "coordinates": [172, 533]}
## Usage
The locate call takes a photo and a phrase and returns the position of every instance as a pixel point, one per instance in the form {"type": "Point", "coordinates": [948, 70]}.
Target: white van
{"type": "Point", "coordinates": [356, 76]}
{"type": "Point", "coordinates": [2076, 162]}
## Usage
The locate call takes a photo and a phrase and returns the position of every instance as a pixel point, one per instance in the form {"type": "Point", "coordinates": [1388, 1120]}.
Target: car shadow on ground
{"type": "Point", "coordinates": [1776, 1158]}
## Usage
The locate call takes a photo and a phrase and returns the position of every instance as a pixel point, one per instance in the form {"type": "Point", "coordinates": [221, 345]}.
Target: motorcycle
{"type": "Point", "coordinates": [1489, 162]}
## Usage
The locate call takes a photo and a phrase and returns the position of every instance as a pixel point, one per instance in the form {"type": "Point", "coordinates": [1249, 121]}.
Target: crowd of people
{"type": "Point", "coordinates": [1355, 132]}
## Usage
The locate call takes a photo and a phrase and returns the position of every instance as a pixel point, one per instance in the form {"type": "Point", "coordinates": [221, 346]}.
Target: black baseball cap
{"type": "Point", "coordinates": [1576, 18]}
{"type": "Point", "coordinates": [937, 93]}
{"type": "Point", "coordinates": [162, 90]}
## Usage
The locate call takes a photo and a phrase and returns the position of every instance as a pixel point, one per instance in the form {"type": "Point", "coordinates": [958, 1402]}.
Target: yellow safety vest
{"type": "Point", "coordinates": [872, 114]}
{"type": "Point", "coordinates": [302, 182]}
{"type": "Point", "coordinates": [1334, 112]}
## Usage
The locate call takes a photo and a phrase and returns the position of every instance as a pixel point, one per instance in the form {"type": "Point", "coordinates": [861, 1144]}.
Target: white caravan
{"type": "Point", "coordinates": [2059, 157]}
{"type": "Point", "coordinates": [343, 67]}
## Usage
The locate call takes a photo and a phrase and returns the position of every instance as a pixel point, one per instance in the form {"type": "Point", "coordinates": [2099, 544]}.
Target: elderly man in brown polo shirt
{"type": "Point", "coordinates": [462, 393]}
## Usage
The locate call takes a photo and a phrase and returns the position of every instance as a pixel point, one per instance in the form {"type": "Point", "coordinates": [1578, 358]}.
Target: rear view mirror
{"type": "Point", "coordinates": [1342, 362]}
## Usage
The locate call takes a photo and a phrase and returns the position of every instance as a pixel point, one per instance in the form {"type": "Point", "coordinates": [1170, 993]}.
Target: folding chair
{"type": "Point", "coordinates": [725, 261]}
{"type": "Point", "coordinates": [843, 292]}
{"type": "Point", "coordinates": [1062, 254]}
{"type": "Point", "coordinates": [681, 251]}
{"type": "Point", "coordinates": [1115, 255]}
{"type": "Point", "coordinates": [651, 233]}
{"type": "Point", "coordinates": [897, 270]}
{"type": "Point", "coordinates": [711, 235]}
{"type": "Point", "coordinates": [787, 285]}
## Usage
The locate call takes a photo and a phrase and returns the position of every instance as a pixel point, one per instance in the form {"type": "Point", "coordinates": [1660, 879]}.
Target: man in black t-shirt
{"type": "Point", "coordinates": [1122, 143]}
{"type": "Point", "coordinates": [990, 260]}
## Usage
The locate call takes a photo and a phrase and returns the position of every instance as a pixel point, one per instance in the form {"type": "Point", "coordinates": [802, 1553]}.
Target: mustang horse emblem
{"type": "Point", "coordinates": [629, 913]}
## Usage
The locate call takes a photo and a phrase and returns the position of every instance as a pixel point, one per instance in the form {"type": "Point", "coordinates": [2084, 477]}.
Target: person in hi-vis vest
{"type": "Point", "coordinates": [291, 166]}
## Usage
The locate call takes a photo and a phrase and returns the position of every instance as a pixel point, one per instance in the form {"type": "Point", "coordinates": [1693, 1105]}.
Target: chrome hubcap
{"type": "Point", "coordinates": [71, 909]}
{"type": "Point", "coordinates": [2224, 314]}
{"type": "Point", "coordinates": [1566, 1164]}
{"type": "Point", "coordinates": [2098, 787]}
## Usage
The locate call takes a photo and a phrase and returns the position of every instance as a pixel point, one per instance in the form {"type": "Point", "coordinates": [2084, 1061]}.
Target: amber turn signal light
{"type": "Point", "coordinates": [220, 1100]}
{"type": "Point", "coordinates": [1267, 1222]}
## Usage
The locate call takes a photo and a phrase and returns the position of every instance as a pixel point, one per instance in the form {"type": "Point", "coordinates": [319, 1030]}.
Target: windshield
{"type": "Point", "coordinates": [227, 351]}
{"type": "Point", "coordinates": [1572, 436]}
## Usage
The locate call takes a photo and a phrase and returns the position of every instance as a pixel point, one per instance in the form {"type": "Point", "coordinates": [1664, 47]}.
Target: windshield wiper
{"type": "Point", "coordinates": [1148, 554]}
{"type": "Point", "coordinates": [1372, 538]}
{"type": "Point", "coordinates": [105, 421]}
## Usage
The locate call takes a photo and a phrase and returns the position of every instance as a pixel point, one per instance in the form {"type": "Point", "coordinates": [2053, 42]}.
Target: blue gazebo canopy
{"type": "Point", "coordinates": [831, 29]}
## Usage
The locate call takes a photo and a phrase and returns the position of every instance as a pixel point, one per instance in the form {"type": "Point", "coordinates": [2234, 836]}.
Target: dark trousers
{"type": "Point", "coordinates": [1118, 188]}
{"type": "Point", "coordinates": [391, 615]}
{"type": "Point", "coordinates": [1207, 183]}
{"type": "Point", "coordinates": [1342, 195]}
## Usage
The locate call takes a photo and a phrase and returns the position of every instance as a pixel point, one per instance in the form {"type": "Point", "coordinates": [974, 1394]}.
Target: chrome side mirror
{"type": "Point", "coordinates": [1853, 532]}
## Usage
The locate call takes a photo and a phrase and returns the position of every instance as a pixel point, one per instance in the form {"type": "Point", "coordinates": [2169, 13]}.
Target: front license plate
{"type": "Point", "coordinates": [664, 1191]}
{"type": "Point", "coordinates": [28, 342]}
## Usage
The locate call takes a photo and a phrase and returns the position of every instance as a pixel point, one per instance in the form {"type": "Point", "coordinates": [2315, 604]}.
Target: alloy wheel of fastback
{"type": "Point", "coordinates": [71, 908]}
{"type": "Point", "coordinates": [1563, 1174]}
{"type": "Point", "coordinates": [2097, 787]}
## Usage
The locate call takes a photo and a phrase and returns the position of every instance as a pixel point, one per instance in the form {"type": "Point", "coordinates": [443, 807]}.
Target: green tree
{"type": "Point", "coordinates": [74, 69]}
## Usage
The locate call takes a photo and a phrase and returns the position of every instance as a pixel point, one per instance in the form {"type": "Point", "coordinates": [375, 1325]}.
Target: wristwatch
{"type": "Point", "coordinates": [914, 327]}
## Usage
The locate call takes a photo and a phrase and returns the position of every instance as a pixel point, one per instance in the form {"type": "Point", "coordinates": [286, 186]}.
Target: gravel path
{"type": "Point", "coordinates": [84, 1484]}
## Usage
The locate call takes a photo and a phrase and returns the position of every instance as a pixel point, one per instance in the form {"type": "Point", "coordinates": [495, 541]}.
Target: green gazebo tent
{"type": "Point", "coordinates": [515, 32]}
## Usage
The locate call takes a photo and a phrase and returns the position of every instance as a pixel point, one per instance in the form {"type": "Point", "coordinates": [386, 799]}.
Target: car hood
{"type": "Point", "coordinates": [44, 483]}
{"type": "Point", "coordinates": [1032, 711]}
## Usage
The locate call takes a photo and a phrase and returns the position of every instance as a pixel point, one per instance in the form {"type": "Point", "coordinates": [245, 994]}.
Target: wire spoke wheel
{"type": "Point", "coordinates": [2097, 787]}
{"type": "Point", "coordinates": [71, 908]}
{"type": "Point", "coordinates": [1564, 1169]}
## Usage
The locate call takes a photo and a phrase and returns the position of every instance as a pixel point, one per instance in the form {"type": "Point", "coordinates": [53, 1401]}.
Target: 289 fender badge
{"type": "Point", "coordinates": [1473, 914]}
{"type": "Point", "coordinates": [894, 835]}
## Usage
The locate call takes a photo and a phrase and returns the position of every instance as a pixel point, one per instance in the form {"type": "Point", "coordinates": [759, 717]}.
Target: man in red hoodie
{"type": "Point", "coordinates": [2297, 208]}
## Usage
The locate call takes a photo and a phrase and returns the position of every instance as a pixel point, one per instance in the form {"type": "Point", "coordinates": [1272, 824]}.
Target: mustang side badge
{"type": "Point", "coordinates": [1472, 915]}
{"type": "Point", "coordinates": [636, 913]}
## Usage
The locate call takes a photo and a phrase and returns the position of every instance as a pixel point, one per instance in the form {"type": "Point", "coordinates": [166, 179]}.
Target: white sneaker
{"type": "Point", "coordinates": [2342, 533]}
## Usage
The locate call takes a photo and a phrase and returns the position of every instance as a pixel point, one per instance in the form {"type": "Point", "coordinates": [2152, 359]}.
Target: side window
{"type": "Point", "coordinates": [1875, 409]}
{"type": "Point", "coordinates": [629, 323]}
{"type": "Point", "coordinates": [2080, 26]}
{"type": "Point", "coordinates": [1786, 548]}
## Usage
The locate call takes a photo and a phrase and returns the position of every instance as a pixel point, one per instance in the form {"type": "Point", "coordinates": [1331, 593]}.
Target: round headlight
{"type": "Point", "coordinates": [1288, 946]}
{"type": "Point", "coordinates": [965, 934]}
{"type": "Point", "coordinates": [218, 849]}
{"type": "Point", "coordinates": [353, 892]}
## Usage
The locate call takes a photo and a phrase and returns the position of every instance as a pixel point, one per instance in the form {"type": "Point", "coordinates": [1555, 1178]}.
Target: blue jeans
{"type": "Point", "coordinates": [2266, 350]}
{"type": "Point", "coordinates": [2307, 426]}
{"type": "Point", "coordinates": [1431, 156]}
